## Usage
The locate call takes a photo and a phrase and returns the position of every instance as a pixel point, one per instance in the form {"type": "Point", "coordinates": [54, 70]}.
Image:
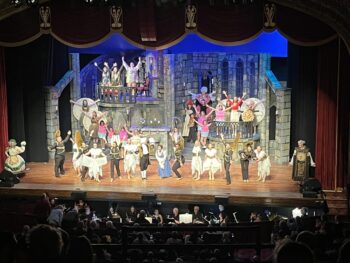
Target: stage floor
{"type": "Point", "coordinates": [279, 189]}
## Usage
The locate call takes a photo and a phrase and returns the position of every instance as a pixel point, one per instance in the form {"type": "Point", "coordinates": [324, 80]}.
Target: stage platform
{"type": "Point", "coordinates": [278, 190]}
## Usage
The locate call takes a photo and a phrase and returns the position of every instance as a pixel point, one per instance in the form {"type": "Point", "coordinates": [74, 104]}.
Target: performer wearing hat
{"type": "Point", "coordinates": [14, 163]}
{"type": "Point", "coordinates": [59, 147]}
{"type": "Point", "coordinates": [144, 161]}
{"type": "Point", "coordinates": [301, 161]}
{"type": "Point", "coordinates": [246, 155]}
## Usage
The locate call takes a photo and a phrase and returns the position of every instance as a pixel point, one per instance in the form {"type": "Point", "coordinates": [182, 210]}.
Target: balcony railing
{"type": "Point", "coordinates": [116, 94]}
{"type": "Point", "coordinates": [231, 129]}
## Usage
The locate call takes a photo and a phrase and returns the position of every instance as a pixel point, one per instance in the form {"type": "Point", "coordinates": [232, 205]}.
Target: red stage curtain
{"type": "Point", "coordinates": [229, 23]}
{"type": "Point", "coordinates": [343, 117]}
{"type": "Point", "coordinates": [326, 120]}
{"type": "Point", "coordinates": [74, 23]}
{"type": "Point", "coordinates": [3, 110]}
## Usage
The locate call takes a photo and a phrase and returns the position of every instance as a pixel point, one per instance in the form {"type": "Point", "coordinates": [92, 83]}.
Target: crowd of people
{"type": "Point", "coordinates": [77, 235]}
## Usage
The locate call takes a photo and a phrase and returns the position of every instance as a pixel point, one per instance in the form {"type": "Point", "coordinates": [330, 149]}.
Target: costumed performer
{"type": "Point", "coordinates": [201, 118]}
{"type": "Point", "coordinates": [211, 163]}
{"type": "Point", "coordinates": [179, 161]}
{"type": "Point", "coordinates": [188, 110]}
{"type": "Point", "coordinates": [98, 159]}
{"type": "Point", "coordinates": [94, 126]}
{"type": "Point", "coordinates": [144, 158]}
{"type": "Point", "coordinates": [83, 168]}
{"type": "Point", "coordinates": [234, 104]}
{"type": "Point", "coordinates": [301, 161]}
{"type": "Point", "coordinates": [264, 164]}
{"type": "Point", "coordinates": [204, 132]}
{"type": "Point", "coordinates": [132, 75]}
{"type": "Point", "coordinates": [60, 150]}
{"type": "Point", "coordinates": [164, 170]}
{"type": "Point", "coordinates": [196, 164]}
{"type": "Point", "coordinates": [246, 155]}
{"type": "Point", "coordinates": [115, 155]}
{"type": "Point", "coordinates": [220, 111]}
{"type": "Point", "coordinates": [130, 159]}
{"type": "Point", "coordinates": [102, 133]}
{"type": "Point", "coordinates": [14, 163]}
{"type": "Point", "coordinates": [228, 159]}
{"type": "Point", "coordinates": [116, 79]}
{"type": "Point", "coordinates": [192, 136]}
{"type": "Point", "coordinates": [106, 74]}
{"type": "Point", "coordinates": [176, 138]}
{"type": "Point", "coordinates": [203, 99]}
{"type": "Point", "coordinates": [77, 145]}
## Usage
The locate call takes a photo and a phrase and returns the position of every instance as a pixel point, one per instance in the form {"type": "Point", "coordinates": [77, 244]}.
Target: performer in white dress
{"type": "Point", "coordinates": [197, 164]}
{"type": "Point", "coordinates": [130, 160]}
{"type": "Point", "coordinates": [264, 164]}
{"type": "Point", "coordinates": [98, 159]}
{"type": "Point", "coordinates": [211, 163]}
{"type": "Point", "coordinates": [77, 145]}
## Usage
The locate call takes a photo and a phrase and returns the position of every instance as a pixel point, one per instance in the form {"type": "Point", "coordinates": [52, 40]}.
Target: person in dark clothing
{"type": "Point", "coordinates": [179, 161]}
{"type": "Point", "coordinates": [141, 219]}
{"type": "Point", "coordinates": [115, 155]}
{"type": "Point", "coordinates": [246, 155]}
{"type": "Point", "coordinates": [227, 160]}
{"type": "Point", "coordinates": [59, 147]}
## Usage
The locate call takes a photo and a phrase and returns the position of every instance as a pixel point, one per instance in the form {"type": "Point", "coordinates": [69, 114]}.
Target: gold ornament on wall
{"type": "Point", "coordinates": [116, 14]}
{"type": "Point", "coordinates": [269, 12]}
{"type": "Point", "coordinates": [191, 12]}
{"type": "Point", "coordinates": [45, 17]}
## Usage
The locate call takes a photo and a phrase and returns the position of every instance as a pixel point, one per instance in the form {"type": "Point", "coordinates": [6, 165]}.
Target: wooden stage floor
{"type": "Point", "coordinates": [279, 189]}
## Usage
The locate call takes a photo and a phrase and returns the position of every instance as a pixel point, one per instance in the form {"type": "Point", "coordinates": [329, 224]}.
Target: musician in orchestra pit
{"type": "Point", "coordinates": [197, 217]}
{"type": "Point", "coordinates": [246, 155]}
{"type": "Point", "coordinates": [131, 215]}
{"type": "Point", "coordinates": [113, 212]}
{"type": "Point", "coordinates": [175, 216]}
{"type": "Point", "coordinates": [157, 217]}
{"type": "Point", "coordinates": [144, 161]}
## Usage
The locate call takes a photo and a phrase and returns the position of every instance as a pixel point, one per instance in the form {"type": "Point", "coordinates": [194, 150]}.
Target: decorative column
{"type": "Point", "coordinates": [169, 89]}
{"type": "Point", "coordinates": [74, 61]}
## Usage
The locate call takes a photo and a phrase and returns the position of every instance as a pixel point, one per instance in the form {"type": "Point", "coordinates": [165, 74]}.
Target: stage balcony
{"type": "Point", "coordinates": [231, 129]}
{"type": "Point", "coordinates": [116, 96]}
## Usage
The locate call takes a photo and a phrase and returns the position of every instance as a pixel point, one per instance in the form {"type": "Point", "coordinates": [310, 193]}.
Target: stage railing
{"type": "Point", "coordinates": [116, 94]}
{"type": "Point", "coordinates": [231, 129]}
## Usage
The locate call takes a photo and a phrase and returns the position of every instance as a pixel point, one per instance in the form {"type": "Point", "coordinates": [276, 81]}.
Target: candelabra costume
{"type": "Point", "coordinates": [60, 150]}
{"type": "Point", "coordinates": [14, 162]}
{"type": "Point", "coordinates": [246, 155]}
{"type": "Point", "coordinates": [115, 155]}
{"type": "Point", "coordinates": [301, 161]}
{"type": "Point", "coordinates": [164, 170]}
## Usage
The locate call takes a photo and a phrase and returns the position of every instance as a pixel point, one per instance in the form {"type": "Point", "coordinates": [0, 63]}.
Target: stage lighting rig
{"type": "Point", "coordinates": [19, 3]}
{"type": "Point", "coordinates": [16, 3]}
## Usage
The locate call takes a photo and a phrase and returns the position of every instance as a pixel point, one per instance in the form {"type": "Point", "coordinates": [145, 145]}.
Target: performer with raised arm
{"type": "Point", "coordinates": [234, 104]}
{"type": "Point", "coordinates": [246, 155]}
{"type": "Point", "coordinates": [115, 155]}
{"type": "Point", "coordinates": [130, 159]}
{"type": "Point", "coordinates": [132, 75]}
{"type": "Point", "coordinates": [106, 74]}
{"type": "Point", "coordinates": [14, 163]}
{"type": "Point", "coordinates": [301, 161]}
{"type": "Point", "coordinates": [60, 150]}
{"type": "Point", "coordinates": [196, 164]}
{"type": "Point", "coordinates": [98, 160]}
{"type": "Point", "coordinates": [188, 111]}
{"type": "Point", "coordinates": [192, 125]}
{"type": "Point", "coordinates": [228, 160]}
{"type": "Point", "coordinates": [102, 133]}
{"type": "Point", "coordinates": [211, 163]}
{"type": "Point", "coordinates": [264, 164]}
{"type": "Point", "coordinates": [164, 170]}
{"type": "Point", "coordinates": [179, 161]}
{"type": "Point", "coordinates": [77, 144]}
{"type": "Point", "coordinates": [144, 160]}
{"type": "Point", "coordinates": [83, 169]}
{"type": "Point", "coordinates": [203, 99]}
{"type": "Point", "coordinates": [94, 126]}
{"type": "Point", "coordinates": [83, 106]}
{"type": "Point", "coordinates": [204, 132]}
{"type": "Point", "coordinates": [219, 116]}
{"type": "Point", "coordinates": [115, 75]}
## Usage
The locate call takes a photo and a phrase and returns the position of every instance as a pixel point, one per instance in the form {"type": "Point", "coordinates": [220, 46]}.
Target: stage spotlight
{"type": "Point", "coordinates": [32, 2]}
{"type": "Point", "coordinates": [17, 3]}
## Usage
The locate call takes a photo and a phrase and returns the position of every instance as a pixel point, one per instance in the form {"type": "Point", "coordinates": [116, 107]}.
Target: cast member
{"type": "Point", "coordinates": [264, 164]}
{"type": "Point", "coordinates": [301, 161]}
{"type": "Point", "coordinates": [102, 133]}
{"type": "Point", "coordinates": [204, 132]}
{"type": "Point", "coordinates": [77, 144]}
{"type": "Point", "coordinates": [14, 163]}
{"type": "Point", "coordinates": [228, 160]}
{"type": "Point", "coordinates": [211, 163]}
{"type": "Point", "coordinates": [130, 159]}
{"type": "Point", "coordinates": [179, 161]}
{"type": "Point", "coordinates": [131, 73]}
{"type": "Point", "coordinates": [115, 155]}
{"type": "Point", "coordinates": [115, 75]}
{"type": "Point", "coordinates": [196, 165]}
{"type": "Point", "coordinates": [188, 110]}
{"type": "Point", "coordinates": [192, 126]}
{"type": "Point", "coordinates": [164, 170]}
{"type": "Point", "coordinates": [144, 160]}
{"type": "Point", "coordinates": [246, 155]}
{"type": "Point", "coordinates": [60, 150]}
{"type": "Point", "coordinates": [98, 160]}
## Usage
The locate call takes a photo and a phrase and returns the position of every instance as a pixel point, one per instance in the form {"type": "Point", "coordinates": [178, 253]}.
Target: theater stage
{"type": "Point", "coordinates": [279, 189]}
